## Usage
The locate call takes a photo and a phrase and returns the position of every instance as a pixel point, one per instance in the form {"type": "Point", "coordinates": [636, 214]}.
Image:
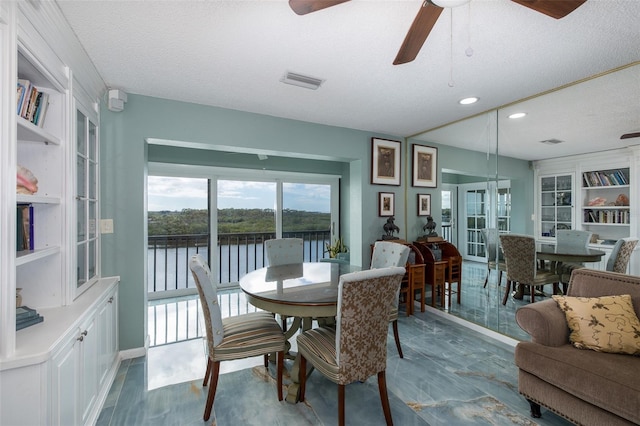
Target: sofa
{"type": "Point", "coordinates": [585, 386]}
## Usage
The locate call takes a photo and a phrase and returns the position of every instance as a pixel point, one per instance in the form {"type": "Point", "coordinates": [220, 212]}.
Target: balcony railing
{"type": "Point", "coordinates": [235, 255]}
{"type": "Point", "coordinates": [178, 319]}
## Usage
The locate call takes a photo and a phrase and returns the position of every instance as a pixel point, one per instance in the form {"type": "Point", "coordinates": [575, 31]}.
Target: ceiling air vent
{"type": "Point", "coordinates": [301, 80]}
{"type": "Point", "coordinates": [552, 141]}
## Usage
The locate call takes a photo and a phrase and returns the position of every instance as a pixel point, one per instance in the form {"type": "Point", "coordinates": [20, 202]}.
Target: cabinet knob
{"type": "Point", "coordinates": [110, 300]}
{"type": "Point", "coordinates": [80, 339]}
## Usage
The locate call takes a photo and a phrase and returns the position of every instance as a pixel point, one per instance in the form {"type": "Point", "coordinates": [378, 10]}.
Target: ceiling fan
{"type": "Point", "coordinates": [630, 135]}
{"type": "Point", "coordinates": [430, 12]}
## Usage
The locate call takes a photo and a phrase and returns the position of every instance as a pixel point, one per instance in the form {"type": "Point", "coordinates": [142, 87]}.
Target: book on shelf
{"type": "Point", "coordinates": [41, 110]}
{"type": "Point", "coordinates": [31, 103]}
{"type": "Point", "coordinates": [24, 231]}
{"type": "Point", "coordinates": [605, 178]}
{"type": "Point", "coordinates": [26, 316]}
{"type": "Point", "coordinates": [29, 322]}
{"type": "Point", "coordinates": [24, 90]}
{"type": "Point", "coordinates": [25, 312]}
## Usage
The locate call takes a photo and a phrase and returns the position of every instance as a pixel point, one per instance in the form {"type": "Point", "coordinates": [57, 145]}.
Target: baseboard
{"type": "Point", "coordinates": [475, 327]}
{"type": "Point", "coordinates": [133, 353]}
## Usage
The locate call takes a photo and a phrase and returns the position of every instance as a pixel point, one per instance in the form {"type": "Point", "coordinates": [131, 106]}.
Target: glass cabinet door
{"type": "Point", "coordinates": [556, 204]}
{"type": "Point", "coordinates": [86, 200]}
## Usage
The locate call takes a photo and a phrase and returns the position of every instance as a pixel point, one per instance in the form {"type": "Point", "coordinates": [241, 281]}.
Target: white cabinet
{"type": "Point", "coordinates": [70, 361]}
{"type": "Point", "coordinates": [107, 324]}
{"type": "Point", "coordinates": [64, 382]}
{"type": "Point", "coordinates": [83, 366]}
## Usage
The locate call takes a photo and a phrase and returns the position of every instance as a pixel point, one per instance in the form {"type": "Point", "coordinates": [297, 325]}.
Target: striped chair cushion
{"type": "Point", "coordinates": [249, 335]}
{"type": "Point", "coordinates": [321, 345]}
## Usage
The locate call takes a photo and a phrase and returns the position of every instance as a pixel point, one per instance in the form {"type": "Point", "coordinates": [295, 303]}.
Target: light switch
{"type": "Point", "coordinates": [106, 226]}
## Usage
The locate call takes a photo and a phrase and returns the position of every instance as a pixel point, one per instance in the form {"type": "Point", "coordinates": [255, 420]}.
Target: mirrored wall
{"type": "Point", "coordinates": [495, 189]}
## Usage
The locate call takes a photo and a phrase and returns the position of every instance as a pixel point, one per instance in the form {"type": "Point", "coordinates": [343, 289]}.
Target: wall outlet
{"type": "Point", "coordinates": [106, 226]}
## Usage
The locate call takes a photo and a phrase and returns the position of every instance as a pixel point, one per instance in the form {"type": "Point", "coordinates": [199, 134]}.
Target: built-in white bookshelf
{"type": "Point", "coordinates": [42, 150]}
{"type": "Point", "coordinates": [57, 371]}
{"type": "Point", "coordinates": [604, 200]}
{"type": "Point", "coordinates": [606, 209]}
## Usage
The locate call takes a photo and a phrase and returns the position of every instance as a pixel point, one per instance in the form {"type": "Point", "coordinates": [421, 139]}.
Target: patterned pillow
{"type": "Point", "coordinates": [604, 324]}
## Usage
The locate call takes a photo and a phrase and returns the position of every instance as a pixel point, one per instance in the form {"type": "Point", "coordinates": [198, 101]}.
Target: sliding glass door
{"type": "Point", "coordinates": [243, 213]}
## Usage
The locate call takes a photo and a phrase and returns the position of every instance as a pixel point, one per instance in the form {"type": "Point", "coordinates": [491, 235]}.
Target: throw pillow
{"type": "Point", "coordinates": [604, 324]}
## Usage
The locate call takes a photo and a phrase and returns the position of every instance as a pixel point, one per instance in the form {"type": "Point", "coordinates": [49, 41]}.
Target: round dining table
{"type": "Point", "coordinates": [304, 291]}
{"type": "Point", "coordinates": [559, 253]}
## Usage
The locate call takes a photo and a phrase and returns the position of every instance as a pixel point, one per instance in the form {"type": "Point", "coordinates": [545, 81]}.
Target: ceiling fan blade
{"type": "Point", "coordinates": [630, 135]}
{"type": "Point", "coordinates": [554, 8]}
{"type": "Point", "coordinates": [418, 33]}
{"type": "Point", "coordinates": [302, 7]}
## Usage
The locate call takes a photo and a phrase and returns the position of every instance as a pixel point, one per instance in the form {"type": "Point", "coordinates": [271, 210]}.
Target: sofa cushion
{"type": "Point", "coordinates": [604, 324]}
{"type": "Point", "coordinates": [606, 380]}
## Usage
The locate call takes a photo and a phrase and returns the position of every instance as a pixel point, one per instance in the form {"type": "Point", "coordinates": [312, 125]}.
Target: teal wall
{"type": "Point", "coordinates": [197, 134]}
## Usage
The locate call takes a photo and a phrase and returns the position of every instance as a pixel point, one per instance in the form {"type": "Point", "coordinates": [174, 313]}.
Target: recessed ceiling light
{"type": "Point", "coordinates": [468, 101]}
{"type": "Point", "coordinates": [518, 115]}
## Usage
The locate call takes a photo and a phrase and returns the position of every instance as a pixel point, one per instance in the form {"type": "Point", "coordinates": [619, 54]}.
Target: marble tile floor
{"type": "Point", "coordinates": [483, 305]}
{"type": "Point", "coordinates": [450, 375]}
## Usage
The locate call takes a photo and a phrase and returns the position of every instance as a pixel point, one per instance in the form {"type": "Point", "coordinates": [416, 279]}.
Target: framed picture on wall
{"type": "Point", "coordinates": [424, 204]}
{"type": "Point", "coordinates": [385, 162]}
{"type": "Point", "coordinates": [425, 162]}
{"type": "Point", "coordinates": [386, 203]}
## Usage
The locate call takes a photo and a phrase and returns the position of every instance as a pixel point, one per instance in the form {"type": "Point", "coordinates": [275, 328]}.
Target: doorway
{"type": "Point", "coordinates": [449, 203]}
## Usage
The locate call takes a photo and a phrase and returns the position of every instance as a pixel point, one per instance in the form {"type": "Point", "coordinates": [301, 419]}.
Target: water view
{"type": "Point", "coordinates": [168, 268]}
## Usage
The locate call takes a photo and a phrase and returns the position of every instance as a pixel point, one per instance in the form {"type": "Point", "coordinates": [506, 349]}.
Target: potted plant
{"type": "Point", "coordinates": [336, 248]}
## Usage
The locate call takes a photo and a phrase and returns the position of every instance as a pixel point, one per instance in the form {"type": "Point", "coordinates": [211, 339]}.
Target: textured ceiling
{"type": "Point", "coordinates": [233, 54]}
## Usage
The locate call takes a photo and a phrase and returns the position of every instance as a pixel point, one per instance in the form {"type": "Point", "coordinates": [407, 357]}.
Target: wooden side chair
{"type": "Point", "coordinates": [414, 280]}
{"type": "Point", "coordinates": [357, 347]}
{"type": "Point", "coordinates": [242, 336]}
{"type": "Point", "coordinates": [454, 276]}
{"type": "Point", "coordinates": [435, 273]}
{"type": "Point", "coordinates": [386, 254]}
{"type": "Point", "coordinates": [520, 257]}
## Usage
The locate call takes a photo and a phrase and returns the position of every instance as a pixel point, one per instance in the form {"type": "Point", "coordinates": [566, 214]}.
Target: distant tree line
{"type": "Point", "coordinates": [234, 221]}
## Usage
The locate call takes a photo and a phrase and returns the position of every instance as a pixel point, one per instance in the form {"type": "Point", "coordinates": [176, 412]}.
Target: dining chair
{"type": "Point", "coordinates": [570, 238]}
{"type": "Point", "coordinates": [357, 347]}
{"type": "Point", "coordinates": [414, 280]}
{"type": "Point", "coordinates": [386, 254]}
{"type": "Point", "coordinates": [520, 258]}
{"type": "Point", "coordinates": [495, 259]}
{"type": "Point", "coordinates": [237, 337]}
{"type": "Point", "coordinates": [454, 276]}
{"type": "Point", "coordinates": [621, 254]}
{"type": "Point", "coordinates": [284, 251]}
